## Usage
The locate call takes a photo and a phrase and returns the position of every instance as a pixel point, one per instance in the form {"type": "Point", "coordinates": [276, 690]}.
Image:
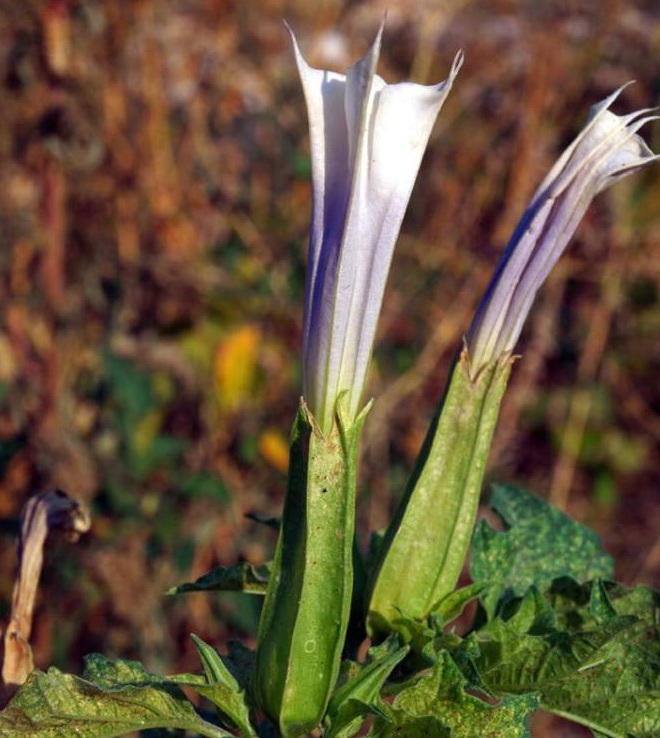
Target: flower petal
{"type": "Point", "coordinates": [367, 140]}
{"type": "Point", "coordinates": [606, 150]}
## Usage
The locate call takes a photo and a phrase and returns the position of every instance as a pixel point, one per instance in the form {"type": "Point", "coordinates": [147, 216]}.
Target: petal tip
{"type": "Point", "coordinates": [371, 57]}
{"type": "Point", "coordinates": [294, 43]}
{"type": "Point", "coordinates": [458, 62]}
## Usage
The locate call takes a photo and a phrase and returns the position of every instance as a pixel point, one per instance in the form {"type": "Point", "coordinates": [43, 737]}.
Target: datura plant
{"type": "Point", "coordinates": [352, 645]}
{"type": "Point", "coordinates": [367, 139]}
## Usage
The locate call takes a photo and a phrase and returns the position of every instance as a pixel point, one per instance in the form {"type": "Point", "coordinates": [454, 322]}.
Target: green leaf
{"type": "Point", "coordinates": [401, 725]}
{"type": "Point", "coordinates": [605, 676]}
{"type": "Point", "coordinates": [111, 699]}
{"type": "Point", "coordinates": [453, 604]}
{"type": "Point", "coordinates": [437, 705]}
{"type": "Point", "coordinates": [239, 578]}
{"type": "Point", "coordinates": [214, 667]}
{"type": "Point", "coordinates": [353, 699]}
{"type": "Point", "coordinates": [220, 688]}
{"type": "Point", "coordinates": [574, 603]}
{"type": "Point", "coordinates": [540, 544]}
{"type": "Point", "coordinates": [430, 636]}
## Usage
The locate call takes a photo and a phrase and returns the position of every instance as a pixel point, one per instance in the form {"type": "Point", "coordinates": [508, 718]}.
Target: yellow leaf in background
{"type": "Point", "coordinates": [274, 447]}
{"type": "Point", "coordinates": [235, 366]}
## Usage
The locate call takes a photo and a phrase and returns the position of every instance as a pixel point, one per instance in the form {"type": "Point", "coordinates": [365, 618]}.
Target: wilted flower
{"type": "Point", "coordinates": [607, 149]}
{"type": "Point", "coordinates": [367, 139]}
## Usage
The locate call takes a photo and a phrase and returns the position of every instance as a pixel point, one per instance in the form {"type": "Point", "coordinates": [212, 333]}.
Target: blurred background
{"type": "Point", "coordinates": [154, 206]}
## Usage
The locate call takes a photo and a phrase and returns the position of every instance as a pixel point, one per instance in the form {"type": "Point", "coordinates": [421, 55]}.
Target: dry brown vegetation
{"type": "Point", "coordinates": [154, 201]}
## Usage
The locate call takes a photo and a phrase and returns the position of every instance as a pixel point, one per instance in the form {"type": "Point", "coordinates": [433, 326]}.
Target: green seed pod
{"type": "Point", "coordinates": [306, 611]}
{"type": "Point", "coordinates": [426, 544]}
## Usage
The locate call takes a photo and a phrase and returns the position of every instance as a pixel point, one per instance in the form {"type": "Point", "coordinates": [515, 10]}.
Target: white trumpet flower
{"type": "Point", "coordinates": [606, 150]}
{"type": "Point", "coordinates": [367, 139]}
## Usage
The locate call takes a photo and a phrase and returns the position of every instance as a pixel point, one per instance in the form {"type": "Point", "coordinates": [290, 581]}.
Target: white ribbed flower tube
{"type": "Point", "coordinates": [607, 149]}
{"type": "Point", "coordinates": [367, 139]}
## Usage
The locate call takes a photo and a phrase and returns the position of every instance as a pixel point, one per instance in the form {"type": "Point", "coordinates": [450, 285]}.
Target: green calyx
{"type": "Point", "coordinates": [306, 611]}
{"type": "Point", "coordinates": [426, 544]}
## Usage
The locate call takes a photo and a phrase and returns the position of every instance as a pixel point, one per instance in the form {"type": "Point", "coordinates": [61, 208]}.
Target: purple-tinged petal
{"type": "Point", "coordinates": [367, 140]}
{"type": "Point", "coordinates": [607, 149]}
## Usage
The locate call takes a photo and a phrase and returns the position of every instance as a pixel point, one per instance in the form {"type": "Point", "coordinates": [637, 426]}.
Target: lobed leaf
{"type": "Point", "coordinates": [111, 699]}
{"type": "Point", "coordinates": [437, 705]}
{"type": "Point", "coordinates": [604, 673]}
{"type": "Point", "coordinates": [574, 603]}
{"type": "Point", "coordinates": [539, 545]}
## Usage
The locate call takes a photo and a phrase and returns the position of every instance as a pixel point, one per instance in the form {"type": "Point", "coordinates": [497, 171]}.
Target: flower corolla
{"type": "Point", "coordinates": [607, 149]}
{"type": "Point", "coordinates": [367, 139]}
